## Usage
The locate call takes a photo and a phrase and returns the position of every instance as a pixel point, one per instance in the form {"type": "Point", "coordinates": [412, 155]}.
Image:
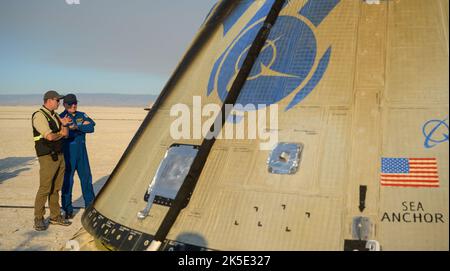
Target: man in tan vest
{"type": "Point", "coordinates": [48, 131]}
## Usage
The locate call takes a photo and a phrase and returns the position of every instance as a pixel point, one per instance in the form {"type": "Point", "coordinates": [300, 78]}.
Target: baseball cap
{"type": "Point", "coordinates": [70, 99]}
{"type": "Point", "coordinates": [51, 94]}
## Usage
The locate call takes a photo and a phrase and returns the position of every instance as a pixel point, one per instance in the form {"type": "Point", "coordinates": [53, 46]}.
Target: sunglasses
{"type": "Point", "coordinates": [70, 104]}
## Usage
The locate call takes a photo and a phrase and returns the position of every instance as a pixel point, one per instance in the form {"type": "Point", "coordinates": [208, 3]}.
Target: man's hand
{"type": "Point", "coordinates": [73, 127]}
{"type": "Point", "coordinates": [86, 122]}
{"type": "Point", "coordinates": [66, 120]}
{"type": "Point", "coordinates": [64, 130]}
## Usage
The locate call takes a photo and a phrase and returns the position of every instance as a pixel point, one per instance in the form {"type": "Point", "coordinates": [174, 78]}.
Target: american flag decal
{"type": "Point", "coordinates": [409, 172]}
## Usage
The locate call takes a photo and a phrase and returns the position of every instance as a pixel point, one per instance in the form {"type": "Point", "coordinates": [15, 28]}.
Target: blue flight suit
{"type": "Point", "coordinates": [76, 157]}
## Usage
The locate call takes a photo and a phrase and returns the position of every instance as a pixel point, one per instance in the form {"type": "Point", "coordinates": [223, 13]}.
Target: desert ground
{"type": "Point", "coordinates": [19, 171]}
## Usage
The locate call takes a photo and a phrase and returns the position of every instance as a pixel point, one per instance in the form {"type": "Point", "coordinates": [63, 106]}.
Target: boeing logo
{"type": "Point", "coordinates": [288, 62]}
{"type": "Point", "coordinates": [435, 132]}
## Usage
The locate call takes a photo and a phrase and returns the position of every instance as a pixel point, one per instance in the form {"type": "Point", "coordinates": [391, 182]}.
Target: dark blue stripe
{"type": "Point", "coordinates": [317, 10]}
{"type": "Point", "coordinates": [239, 11]}
{"type": "Point", "coordinates": [212, 77]}
{"type": "Point", "coordinates": [235, 15]}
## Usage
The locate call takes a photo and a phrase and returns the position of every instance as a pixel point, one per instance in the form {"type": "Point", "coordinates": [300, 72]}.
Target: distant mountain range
{"type": "Point", "coordinates": [85, 99]}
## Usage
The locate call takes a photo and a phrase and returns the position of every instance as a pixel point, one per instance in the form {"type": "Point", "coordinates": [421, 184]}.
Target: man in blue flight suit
{"type": "Point", "coordinates": [76, 156]}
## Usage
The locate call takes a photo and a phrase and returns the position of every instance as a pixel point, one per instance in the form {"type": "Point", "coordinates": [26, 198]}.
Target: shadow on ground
{"type": "Point", "coordinates": [189, 238]}
{"type": "Point", "coordinates": [79, 202]}
{"type": "Point", "coordinates": [11, 167]}
{"type": "Point", "coordinates": [30, 235]}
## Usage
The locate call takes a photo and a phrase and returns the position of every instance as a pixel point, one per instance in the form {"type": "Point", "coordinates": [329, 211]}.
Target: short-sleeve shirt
{"type": "Point", "coordinates": [40, 121]}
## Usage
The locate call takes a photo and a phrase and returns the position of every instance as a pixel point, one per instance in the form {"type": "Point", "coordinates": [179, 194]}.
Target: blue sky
{"type": "Point", "coordinates": [97, 46]}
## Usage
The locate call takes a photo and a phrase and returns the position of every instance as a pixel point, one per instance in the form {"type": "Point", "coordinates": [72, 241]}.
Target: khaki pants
{"type": "Point", "coordinates": [51, 174]}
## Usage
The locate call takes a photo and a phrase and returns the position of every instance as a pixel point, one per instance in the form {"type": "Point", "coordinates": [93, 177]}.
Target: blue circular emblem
{"type": "Point", "coordinates": [435, 132]}
{"type": "Point", "coordinates": [284, 63]}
